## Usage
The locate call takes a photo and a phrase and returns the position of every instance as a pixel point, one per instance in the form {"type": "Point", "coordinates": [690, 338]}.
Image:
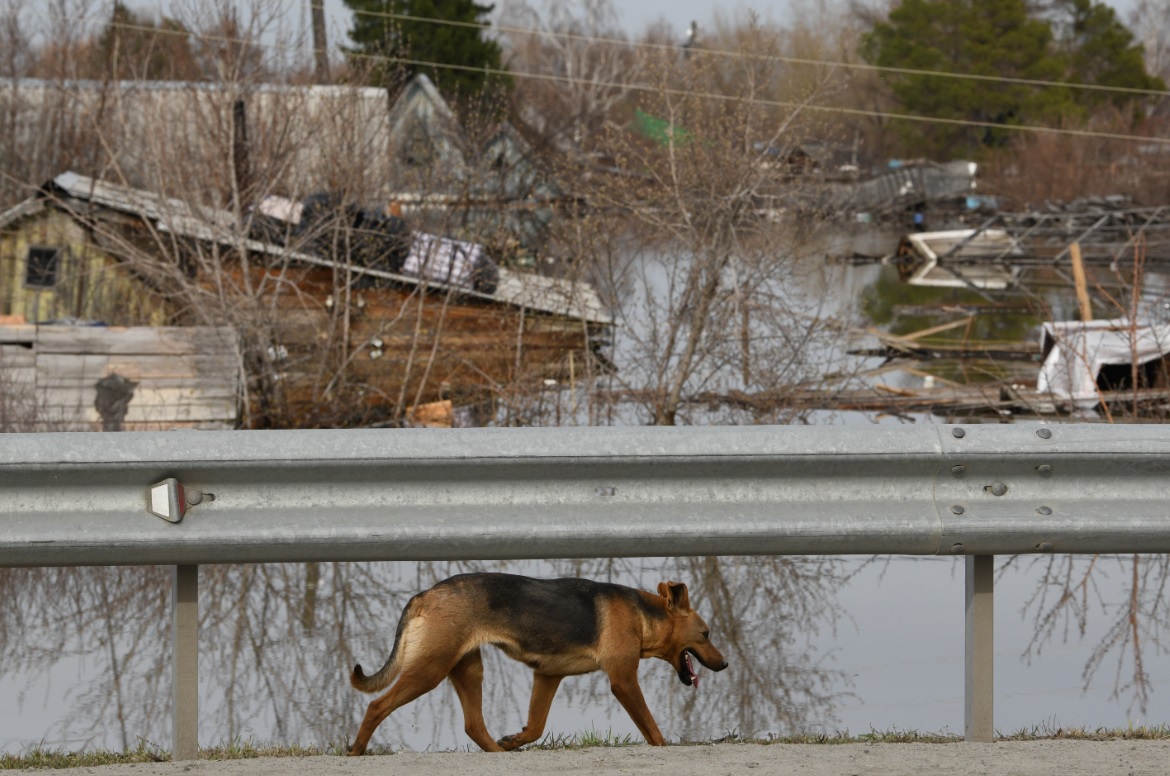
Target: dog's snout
{"type": "Point", "coordinates": [721, 666]}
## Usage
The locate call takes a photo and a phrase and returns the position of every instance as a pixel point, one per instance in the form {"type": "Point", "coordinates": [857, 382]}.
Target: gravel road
{"type": "Point", "coordinates": [1066, 758]}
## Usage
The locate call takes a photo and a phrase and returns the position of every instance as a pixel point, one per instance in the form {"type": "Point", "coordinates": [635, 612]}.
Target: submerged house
{"type": "Point", "coordinates": [1082, 361]}
{"type": "Point", "coordinates": [323, 339]}
{"type": "Point", "coordinates": [959, 258]}
{"type": "Point", "coordinates": [485, 184]}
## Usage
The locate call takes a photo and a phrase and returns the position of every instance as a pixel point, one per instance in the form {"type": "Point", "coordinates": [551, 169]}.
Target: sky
{"type": "Point", "coordinates": [635, 15]}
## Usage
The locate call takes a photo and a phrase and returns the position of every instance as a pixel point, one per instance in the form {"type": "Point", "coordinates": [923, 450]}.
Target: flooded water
{"type": "Point", "coordinates": [813, 645]}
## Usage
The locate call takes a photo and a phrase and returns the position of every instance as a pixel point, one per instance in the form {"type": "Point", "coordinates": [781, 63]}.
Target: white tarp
{"type": "Point", "coordinates": [281, 208]}
{"type": "Point", "coordinates": [1075, 351]}
{"type": "Point", "coordinates": [444, 260]}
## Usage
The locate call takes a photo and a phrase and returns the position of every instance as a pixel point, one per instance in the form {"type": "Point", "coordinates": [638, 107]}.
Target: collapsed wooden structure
{"type": "Point", "coordinates": [999, 252]}
{"type": "Point", "coordinates": [324, 341]}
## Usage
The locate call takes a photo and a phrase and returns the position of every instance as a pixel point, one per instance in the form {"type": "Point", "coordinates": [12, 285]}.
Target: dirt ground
{"type": "Point", "coordinates": [1066, 758]}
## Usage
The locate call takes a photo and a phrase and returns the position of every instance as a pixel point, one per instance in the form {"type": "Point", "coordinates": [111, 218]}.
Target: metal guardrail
{"type": "Point", "coordinates": [249, 497]}
{"type": "Point", "coordinates": [414, 494]}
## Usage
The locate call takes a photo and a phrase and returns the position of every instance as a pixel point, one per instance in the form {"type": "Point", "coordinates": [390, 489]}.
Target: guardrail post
{"type": "Point", "coordinates": [979, 673]}
{"type": "Point", "coordinates": [185, 662]}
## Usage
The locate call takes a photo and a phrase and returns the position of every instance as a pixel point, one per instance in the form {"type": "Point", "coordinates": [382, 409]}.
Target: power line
{"type": "Point", "coordinates": [803, 61]}
{"type": "Point", "coordinates": [381, 58]}
{"type": "Point", "coordinates": [781, 103]}
{"type": "Point", "coordinates": [484, 26]}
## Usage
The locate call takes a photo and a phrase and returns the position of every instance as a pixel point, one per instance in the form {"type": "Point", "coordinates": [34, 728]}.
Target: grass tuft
{"type": "Point", "coordinates": [584, 740]}
{"type": "Point", "coordinates": [1053, 731]}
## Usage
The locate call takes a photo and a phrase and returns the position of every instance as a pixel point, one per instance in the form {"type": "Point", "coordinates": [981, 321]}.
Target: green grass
{"type": "Point", "coordinates": [584, 740]}
{"type": "Point", "coordinates": [146, 752]}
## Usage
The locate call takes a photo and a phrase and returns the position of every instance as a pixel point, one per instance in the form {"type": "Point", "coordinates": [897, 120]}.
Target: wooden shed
{"type": "Point", "coordinates": [323, 341]}
{"type": "Point", "coordinates": [52, 270]}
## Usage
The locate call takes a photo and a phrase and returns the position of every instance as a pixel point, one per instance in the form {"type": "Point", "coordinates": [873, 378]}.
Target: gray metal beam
{"type": "Point", "coordinates": [185, 663]}
{"type": "Point", "coordinates": [81, 499]}
{"type": "Point", "coordinates": [979, 653]}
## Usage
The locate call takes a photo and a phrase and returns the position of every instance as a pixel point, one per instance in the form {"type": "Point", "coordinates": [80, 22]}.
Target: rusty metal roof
{"type": "Point", "coordinates": [521, 289]}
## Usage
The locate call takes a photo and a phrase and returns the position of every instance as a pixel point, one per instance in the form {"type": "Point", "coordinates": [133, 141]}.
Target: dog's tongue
{"type": "Point", "coordinates": [691, 671]}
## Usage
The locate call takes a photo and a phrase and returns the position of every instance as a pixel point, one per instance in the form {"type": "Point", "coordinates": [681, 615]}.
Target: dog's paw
{"type": "Point", "coordinates": [508, 743]}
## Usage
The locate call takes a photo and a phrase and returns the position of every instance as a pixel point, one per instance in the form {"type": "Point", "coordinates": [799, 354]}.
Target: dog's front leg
{"type": "Point", "coordinates": [544, 687]}
{"type": "Point", "coordinates": [623, 680]}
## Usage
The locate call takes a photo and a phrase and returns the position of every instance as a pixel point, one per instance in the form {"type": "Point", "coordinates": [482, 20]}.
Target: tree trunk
{"type": "Point", "coordinates": [320, 43]}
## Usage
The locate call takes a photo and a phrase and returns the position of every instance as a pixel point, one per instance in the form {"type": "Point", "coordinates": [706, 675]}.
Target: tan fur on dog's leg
{"type": "Point", "coordinates": [623, 681]}
{"type": "Point", "coordinates": [544, 687]}
{"type": "Point", "coordinates": [467, 679]}
{"type": "Point", "coordinates": [410, 685]}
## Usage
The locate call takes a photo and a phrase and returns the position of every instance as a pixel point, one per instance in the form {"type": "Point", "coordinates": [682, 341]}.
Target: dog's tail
{"type": "Point", "coordinates": [388, 672]}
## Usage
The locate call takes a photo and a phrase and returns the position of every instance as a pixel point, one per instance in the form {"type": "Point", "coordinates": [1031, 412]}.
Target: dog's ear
{"type": "Point", "coordinates": [676, 595]}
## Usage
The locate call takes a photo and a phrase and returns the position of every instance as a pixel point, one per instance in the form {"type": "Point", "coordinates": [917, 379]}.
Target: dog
{"type": "Point", "coordinates": [557, 627]}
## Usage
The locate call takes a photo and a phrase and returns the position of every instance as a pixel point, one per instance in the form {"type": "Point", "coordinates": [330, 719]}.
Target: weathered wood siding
{"type": "Point", "coordinates": [391, 347]}
{"type": "Point", "coordinates": [90, 285]}
{"type": "Point", "coordinates": [83, 378]}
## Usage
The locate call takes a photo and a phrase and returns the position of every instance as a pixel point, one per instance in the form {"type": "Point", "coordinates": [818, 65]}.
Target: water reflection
{"type": "Point", "coordinates": [277, 642]}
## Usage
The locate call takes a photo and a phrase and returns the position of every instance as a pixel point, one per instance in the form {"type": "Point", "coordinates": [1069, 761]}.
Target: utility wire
{"type": "Point", "coordinates": [804, 61]}
{"type": "Point", "coordinates": [386, 59]}
{"type": "Point", "coordinates": [484, 26]}
{"type": "Point", "coordinates": [783, 103]}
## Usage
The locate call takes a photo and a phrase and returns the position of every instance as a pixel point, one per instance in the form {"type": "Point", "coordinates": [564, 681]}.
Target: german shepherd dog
{"type": "Point", "coordinates": [558, 627]}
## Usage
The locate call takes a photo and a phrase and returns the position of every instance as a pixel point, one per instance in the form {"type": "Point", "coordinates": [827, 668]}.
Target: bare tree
{"type": "Point", "coordinates": [1150, 22]}
{"type": "Point", "coordinates": [692, 238]}
{"type": "Point", "coordinates": [320, 41]}
{"type": "Point", "coordinates": [582, 66]}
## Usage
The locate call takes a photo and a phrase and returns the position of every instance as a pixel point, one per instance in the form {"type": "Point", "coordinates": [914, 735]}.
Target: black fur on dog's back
{"type": "Point", "coordinates": [550, 615]}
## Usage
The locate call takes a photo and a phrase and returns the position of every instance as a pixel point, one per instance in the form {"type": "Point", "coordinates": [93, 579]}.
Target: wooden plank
{"type": "Point", "coordinates": [15, 357]}
{"type": "Point", "coordinates": [198, 387]}
{"type": "Point", "coordinates": [936, 329]}
{"type": "Point", "coordinates": [76, 368]}
{"type": "Point", "coordinates": [72, 366]}
{"type": "Point", "coordinates": [222, 412]}
{"type": "Point", "coordinates": [1080, 280]}
{"type": "Point", "coordinates": [145, 400]}
{"type": "Point", "coordinates": [25, 334]}
{"type": "Point", "coordinates": [144, 340]}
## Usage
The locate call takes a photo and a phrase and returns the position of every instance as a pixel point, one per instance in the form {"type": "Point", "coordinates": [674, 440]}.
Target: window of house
{"type": "Point", "coordinates": [43, 264]}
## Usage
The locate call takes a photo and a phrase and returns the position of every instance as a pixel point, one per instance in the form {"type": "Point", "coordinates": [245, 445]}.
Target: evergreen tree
{"type": "Point", "coordinates": [1101, 50]}
{"type": "Point", "coordinates": [980, 37]}
{"type": "Point", "coordinates": [1080, 41]}
{"type": "Point", "coordinates": [417, 39]}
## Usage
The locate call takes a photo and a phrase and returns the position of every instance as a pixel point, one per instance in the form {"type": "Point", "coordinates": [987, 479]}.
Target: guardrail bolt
{"type": "Point", "coordinates": [1044, 510]}
{"type": "Point", "coordinates": [958, 433]}
{"type": "Point", "coordinates": [957, 509]}
{"type": "Point", "coordinates": [1044, 433]}
{"type": "Point", "coordinates": [958, 469]}
{"type": "Point", "coordinates": [194, 497]}
{"type": "Point", "coordinates": [1044, 469]}
{"type": "Point", "coordinates": [996, 488]}
{"type": "Point", "coordinates": [1044, 546]}
{"type": "Point", "coordinates": [956, 549]}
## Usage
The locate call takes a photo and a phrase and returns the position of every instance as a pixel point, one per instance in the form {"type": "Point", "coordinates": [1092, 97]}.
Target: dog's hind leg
{"type": "Point", "coordinates": [414, 681]}
{"type": "Point", "coordinates": [467, 679]}
{"type": "Point", "coordinates": [544, 687]}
